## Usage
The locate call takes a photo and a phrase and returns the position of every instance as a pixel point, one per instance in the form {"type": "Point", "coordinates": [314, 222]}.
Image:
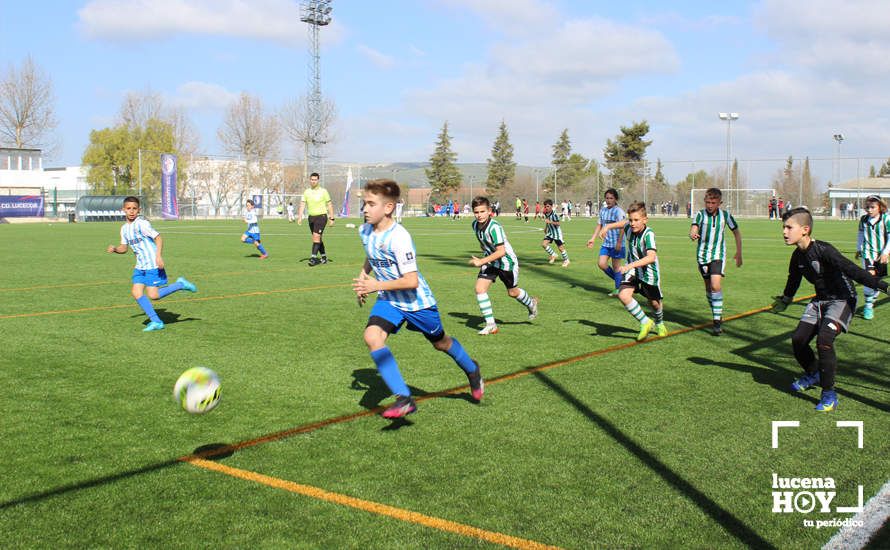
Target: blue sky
{"type": "Point", "coordinates": [797, 72]}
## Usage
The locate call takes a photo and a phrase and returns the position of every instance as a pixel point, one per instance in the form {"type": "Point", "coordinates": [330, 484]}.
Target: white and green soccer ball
{"type": "Point", "coordinates": [197, 390]}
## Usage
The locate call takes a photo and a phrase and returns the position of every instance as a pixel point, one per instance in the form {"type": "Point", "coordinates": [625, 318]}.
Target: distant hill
{"type": "Point", "coordinates": [412, 173]}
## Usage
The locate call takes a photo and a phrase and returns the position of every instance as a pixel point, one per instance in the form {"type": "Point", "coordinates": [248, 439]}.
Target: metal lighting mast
{"type": "Point", "coordinates": [316, 13]}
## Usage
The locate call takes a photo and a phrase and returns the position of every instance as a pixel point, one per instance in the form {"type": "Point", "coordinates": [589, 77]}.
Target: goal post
{"type": "Point", "coordinates": [739, 201]}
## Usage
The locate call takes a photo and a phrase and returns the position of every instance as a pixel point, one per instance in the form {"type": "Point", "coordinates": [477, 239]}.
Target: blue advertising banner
{"type": "Point", "coordinates": [258, 201]}
{"type": "Point", "coordinates": [169, 205]}
{"type": "Point", "coordinates": [21, 206]}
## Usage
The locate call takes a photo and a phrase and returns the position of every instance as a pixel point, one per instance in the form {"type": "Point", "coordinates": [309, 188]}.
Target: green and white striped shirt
{"type": "Point", "coordinates": [712, 234]}
{"type": "Point", "coordinates": [873, 239]}
{"type": "Point", "coordinates": [637, 244]}
{"type": "Point", "coordinates": [490, 235]}
{"type": "Point", "coordinates": [552, 231]}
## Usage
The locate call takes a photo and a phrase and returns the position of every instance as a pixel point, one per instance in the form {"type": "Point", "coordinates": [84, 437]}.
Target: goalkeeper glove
{"type": "Point", "coordinates": [780, 303]}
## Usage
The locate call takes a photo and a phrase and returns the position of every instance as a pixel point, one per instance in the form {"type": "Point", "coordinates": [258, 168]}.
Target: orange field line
{"type": "Point", "coordinates": [369, 506]}
{"type": "Point", "coordinates": [201, 299]}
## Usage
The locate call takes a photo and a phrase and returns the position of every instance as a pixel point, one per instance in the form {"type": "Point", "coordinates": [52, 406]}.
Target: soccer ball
{"type": "Point", "coordinates": [197, 390]}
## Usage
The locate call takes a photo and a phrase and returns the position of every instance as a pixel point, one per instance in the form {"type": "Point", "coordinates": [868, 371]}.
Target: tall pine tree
{"type": "Point", "coordinates": [501, 167]}
{"type": "Point", "coordinates": [443, 175]}
{"type": "Point", "coordinates": [561, 151]}
{"type": "Point", "coordinates": [625, 157]}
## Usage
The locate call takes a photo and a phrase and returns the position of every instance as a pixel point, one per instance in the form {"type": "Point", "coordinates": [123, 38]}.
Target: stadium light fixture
{"type": "Point", "coordinates": [838, 138]}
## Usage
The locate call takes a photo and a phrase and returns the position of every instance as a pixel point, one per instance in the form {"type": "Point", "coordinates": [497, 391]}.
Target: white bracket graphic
{"type": "Point", "coordinates": [852, 424]}
{"type": "Point", "coordinates": [782, 424]}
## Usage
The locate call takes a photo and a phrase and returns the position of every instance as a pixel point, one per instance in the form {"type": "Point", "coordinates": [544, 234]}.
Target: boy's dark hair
{"type": "Point", "coordinates": [882, 204]}
{"type": "Point", "coordinates": [548, 202]}
{"type": "Point", "coordinates": [801, 215]}
{"type": "Point", "coordinates": [386, 188]}
{"type": "Point", "coordinates": [131, 198]}
{"type": "Point", "coordinates": [314, 174]}
{"type": "Point", "coordinates": [250, 202]}
{"type": "Point", "coordinates": [611, 191]}
{"type": "Point", "coordinates": [637, 206]}
{"type": "Point", "coordinates": [713, 193]}
{"type": "Point", "coordinates": [480, 201]}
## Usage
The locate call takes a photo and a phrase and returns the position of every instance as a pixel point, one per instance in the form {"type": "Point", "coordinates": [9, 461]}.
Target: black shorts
{"type": "Point", "coordinates": [713, 268]}
{"type": "Point", "coordinates": [876, 266]}
{"type": "Point", "coordinates": [557, 241]}
{"type": "Point", "coordinates": [651, 292]}
{"type": "Point", "coordinates": [318, 223]}
{"type": "Point", "coordinates": [509, 278]}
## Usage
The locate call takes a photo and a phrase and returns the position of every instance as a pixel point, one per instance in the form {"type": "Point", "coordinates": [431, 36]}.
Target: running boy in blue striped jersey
{"type": "Point", "coordinates": [873, 246]}
{"type": "Point", "coordinates": [640, 274]}
{"type": "Point", "coordinates": [708, 229]}
{"type": "Point", "coordinates": [403, 297]}
{"type": "Point", "coordinates": [252, 235]}
{"type": "Point", "coordinates": [553, 234]}
{"type": "Point", "coordinates": [611, 250]}
{"type": "Point", "coordinates": [499, 262]}
{"type": "Point", "coordinates": [149, 274]}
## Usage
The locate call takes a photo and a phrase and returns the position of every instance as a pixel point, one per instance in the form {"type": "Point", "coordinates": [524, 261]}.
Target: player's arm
{"type": "Point", "coordinates": [693, 232]}
{"type": "Point", "coordinates": [367, 285]}
{"type": "Point", "coordinates": [795, 275]}
{"type": "Point", "coordinates": [885, 252]}
{"type": "Point", "coordinates": [596, 232]}
{"type": "Point", "coordinates": [331, 212]}
{"type": "Point", "coordinates": [853, 271]}
{"type": "Point", "coordinates": [614, 225]}
{"type": "Point", "coordinates": [860, 240]}
{"type": "Point", "coordinates": [650, 258]}
{"type": "Point", "coordinates": [160, 244]}
{"type": "Point", "coordinates": [738, 246]}
{"type": "Point", "coordinates": [499, 252]}
{"type": "Point", "coordinates": [300, 211]}
{"type": "Point", "coordinates": [119, 249]}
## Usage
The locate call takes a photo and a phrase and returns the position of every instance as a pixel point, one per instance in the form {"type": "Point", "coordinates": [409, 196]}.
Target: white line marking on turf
{"type": "Point", "coordinates": [872, 517]}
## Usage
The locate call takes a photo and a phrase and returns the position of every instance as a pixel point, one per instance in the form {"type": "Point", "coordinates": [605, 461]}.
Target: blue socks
{"type": "Point", "coordinates": [389, 371]}
{"type": "Point", "coordinates": [146, 306]}
{"type": "Point", "coordinates": [261, 248]}
{"type": "Point", "coordinates": [169, 289]}
{"type": "Point", "coordinates": [457, 352]}
{"type": "Point", "coordinates": [614, 275]}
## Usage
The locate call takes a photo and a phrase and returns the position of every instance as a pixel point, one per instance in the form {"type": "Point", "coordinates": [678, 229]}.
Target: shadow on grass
{"type": "Point", "coordinates": [369, 381]}
{"type": "Point", "coordinates": [476, 322]}
{"type": "Point", "coordinates": [602, 329]}
{"type": "Point", "coordinates": [723, 517]}
{"type": "Point", "coordinates": [167, 317]}
{"type": "Point", "coordinates": [776, 379]}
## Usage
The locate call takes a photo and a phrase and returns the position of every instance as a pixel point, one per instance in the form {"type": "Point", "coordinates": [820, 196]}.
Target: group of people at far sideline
{"type": "Point", "coordinates": [628, 256]}
{"type": "Point", "coordinates": [777, 207]}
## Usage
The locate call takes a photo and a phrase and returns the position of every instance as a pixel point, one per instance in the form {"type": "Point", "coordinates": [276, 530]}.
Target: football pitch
{"type": "Point", "coordinates": [584, 439]}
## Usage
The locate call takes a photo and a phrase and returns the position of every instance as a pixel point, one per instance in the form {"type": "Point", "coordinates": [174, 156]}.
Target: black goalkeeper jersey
{"type": "Point", "coordinates": [829, 271]}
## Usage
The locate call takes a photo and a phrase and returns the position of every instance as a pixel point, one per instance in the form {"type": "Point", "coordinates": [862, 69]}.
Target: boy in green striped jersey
{"type": "Point", "coordinates": [641, 272]}
{"type": "Point", "coordinates": [708, 229]}
{"type": "Point", "coordinates": [499, 262]}
{"type": "Point", "coordinates": [873, 246]}
{"type": "Point", "coordinates": [553, 234]}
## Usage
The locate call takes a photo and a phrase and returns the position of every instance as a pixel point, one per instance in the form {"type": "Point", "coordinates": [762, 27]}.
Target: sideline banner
{"type": "Point", "coordinates": [344, 210]}
{"type": "Point", "coordinates": [169, 205]}
{"type": "Point", "coordinates": [21, 206]}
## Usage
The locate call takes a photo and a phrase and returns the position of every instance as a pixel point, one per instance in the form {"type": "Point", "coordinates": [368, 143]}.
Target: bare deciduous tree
{"type": "Point", "coordinates": [27, 106]}
{"type": "Point", "coordinates": [246, 130]}
{"type": "Point", "coordinates": [296, 119]}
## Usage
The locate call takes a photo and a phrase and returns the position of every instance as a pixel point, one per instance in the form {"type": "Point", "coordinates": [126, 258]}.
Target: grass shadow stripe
{"type": "Point", "coordinates": [712, 509]}
{"type": "Point", "coordinates": [400, 514]}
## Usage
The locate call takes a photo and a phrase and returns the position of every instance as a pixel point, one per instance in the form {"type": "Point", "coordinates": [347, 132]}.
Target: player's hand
{"type": "Point", "coordinates": [857, 255]}
{"type": "Point", "coordinates": [331, 220]}
{"type": "Point", "coordinates": [111, 249]}
{"type": "Point", "coordinates": [883, 258]}
{"type": "Point", "coordinates": [299, 221]}
{"type": "Point", "coordinates": [476, 262]}
{"type": "Point", "coordinates": [694, 235]}
{"type": "Point", "coordinates": [591, 242]}
{"type": "Point", "coordinates": [364, 285]}
{"type": "Point", "coordinates": [738, 260]}
{"type": "Point", "coordinates": [779, 304]}
{"type": "Point", "coordinates": [603, 233]}
{"type": "Point", "coordinates": [624, 269]}
{"type": "Point", "coordinates": [160, 262]}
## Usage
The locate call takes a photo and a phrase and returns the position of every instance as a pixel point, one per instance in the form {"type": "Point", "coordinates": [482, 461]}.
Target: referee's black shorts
{"type": "Point", "coordinates": [318, 223]}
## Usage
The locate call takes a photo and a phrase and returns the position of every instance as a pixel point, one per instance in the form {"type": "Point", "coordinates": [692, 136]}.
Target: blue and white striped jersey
{"type": "Point", "coordinates": [391, 254]}
{"type": "Point", "coordinates": [139, 235]}
{"type": "Point", "coordinates": [612, 215]}
{"type": "Point", "coordinates": [253, 226]}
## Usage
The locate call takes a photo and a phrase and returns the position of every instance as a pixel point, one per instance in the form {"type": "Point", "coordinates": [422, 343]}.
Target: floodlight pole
{"type": "Point", "coordinates": [728, 117]}
{"type": "Point", "coordinates": [315, 13]}
{"type": "Point", "coordinates": [839, 138]}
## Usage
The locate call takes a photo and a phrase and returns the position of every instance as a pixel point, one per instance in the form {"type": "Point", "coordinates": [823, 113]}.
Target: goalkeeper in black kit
{"type": "Point", "coordinates": [831, 310]}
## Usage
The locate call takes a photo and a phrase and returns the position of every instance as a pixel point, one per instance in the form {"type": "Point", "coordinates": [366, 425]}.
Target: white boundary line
{"type": "Point", "coordinates": [873, 515]}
